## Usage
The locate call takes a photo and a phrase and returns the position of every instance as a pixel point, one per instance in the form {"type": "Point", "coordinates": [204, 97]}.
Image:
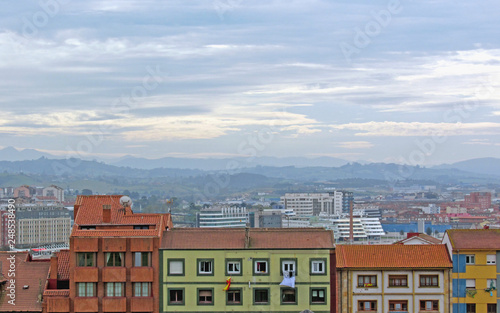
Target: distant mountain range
{"type": "Point", "coordinates": [297, 168]}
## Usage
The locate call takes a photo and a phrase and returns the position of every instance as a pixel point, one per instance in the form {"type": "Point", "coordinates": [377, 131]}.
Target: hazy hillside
{"type": "Point", "coordinates": [482, 166]}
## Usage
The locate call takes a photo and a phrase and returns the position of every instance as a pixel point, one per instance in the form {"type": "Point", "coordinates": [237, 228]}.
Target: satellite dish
{"type": "Point", "coordinates": [126, 201]}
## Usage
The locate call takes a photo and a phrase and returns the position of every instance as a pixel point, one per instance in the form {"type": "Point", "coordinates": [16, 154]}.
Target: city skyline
{"type": "Point", "coordinates": [384, 81]}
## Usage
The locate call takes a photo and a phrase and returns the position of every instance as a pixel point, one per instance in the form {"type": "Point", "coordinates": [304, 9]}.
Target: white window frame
{"type": "Point", "coordinates": [234, 263]}
{"type": "Point", "coordinates": [470, 259]}
{"type": "Point", "coordinates": [256, 266]}
{"type": "Point", "coordinates": [491, 259]}
{"type": "Point", "coordinates": [202, 271]}
{"type": "Point", "coordinates": [317, 263]}
{"type": "Point", "coordinates": [289, 266]}
{"type": "Point", "coordinates": [470, 284]}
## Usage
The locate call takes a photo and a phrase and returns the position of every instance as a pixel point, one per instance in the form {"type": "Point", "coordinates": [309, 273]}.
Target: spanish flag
{"type": "Point", "coordinates": [228, 281]}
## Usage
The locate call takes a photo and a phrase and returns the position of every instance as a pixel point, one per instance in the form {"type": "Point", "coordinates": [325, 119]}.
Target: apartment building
{"type": "Point", "coordinates": [393, 278]}
{"type": "Point", "coordinates": [222, 216]}
{"type": "Point", "coordinates": [309, 204]}
{"type": "Point", "coordinates": [476, 272]}
{"type": "Point", "coordinates": [270, 270]}
{"type": "Point", "coordinates": [113, 259]}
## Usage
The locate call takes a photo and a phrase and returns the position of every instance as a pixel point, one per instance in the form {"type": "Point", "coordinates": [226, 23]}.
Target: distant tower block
{"type": "Point", "coordinates": [421, 226]}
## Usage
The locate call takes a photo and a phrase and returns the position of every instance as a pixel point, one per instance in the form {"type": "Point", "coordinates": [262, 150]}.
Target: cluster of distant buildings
{"type": "Point", "coordinates": [120, 261]}
{"type": "Point", "coordinates": [40, 216]}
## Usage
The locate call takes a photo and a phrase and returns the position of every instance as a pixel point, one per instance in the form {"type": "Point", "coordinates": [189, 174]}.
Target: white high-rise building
{"type": "Point", "coordinates": [309, 204]}
{"type": "Point", "coordinates": [222, 217]}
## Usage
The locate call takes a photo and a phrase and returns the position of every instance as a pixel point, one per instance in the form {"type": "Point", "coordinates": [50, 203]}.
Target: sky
{"type": "Point", "coordinates": [415, 82]}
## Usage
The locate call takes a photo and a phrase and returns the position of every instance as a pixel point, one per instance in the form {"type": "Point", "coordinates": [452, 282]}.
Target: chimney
{"type": "Point", "coordinates": [247, 237]}
{"type": "Point", "coordinates": [106, 213]}
{"type": "Point", "coordinates": [53, 267]}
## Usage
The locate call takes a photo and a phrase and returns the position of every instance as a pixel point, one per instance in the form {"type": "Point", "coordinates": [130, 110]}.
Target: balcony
{"type": "Point", "coordinates": [86, 274]}
{"type": "Point", "coordinates": [86, 304]}
{"type": "Point", "coordinates": [141, 274]}
{"type": "Point", "coordinates": [112, 304]}
{"type": "Point", "coordinates": [141, 304]}
{"type": "Point", "coordinates": [114, 274]}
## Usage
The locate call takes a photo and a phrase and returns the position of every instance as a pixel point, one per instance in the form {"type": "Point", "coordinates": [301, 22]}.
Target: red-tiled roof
{"type": "Point", "coordinates": [63, 265]}
{"type": "Point", "coordinates": [56, 293]}
{"type": "Point", "coordinates": [392, 256]}
{"type": "Point", "coordinates": [477, 239]}
{"type": "Point", "coordinates": [89, 212]}
{"type": "Point", "coordinates": [259, 238]}
{"type": "Point", "coordinates": [32, 274]}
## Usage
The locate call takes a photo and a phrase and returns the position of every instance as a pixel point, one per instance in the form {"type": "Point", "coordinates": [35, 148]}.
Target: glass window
{"type": "Point", "coordinates": [470, 259]}
{"type": "Point", "coordinates": [86, 258]}
{"type": "Point", "coordinates": [288, 296]}
{"type": "Point", "coordinates": [234, 296]}
{"type": "Point", "coordinates": [114, 259]}
{"type": "Point", "coordinates": [429, 305]}
{"type": "Point", "coordinates": [175, 267]}
{"type": "Point", "coordinates": [429, 280]}
{"type": "Point", "coordinates": [398, 280]}
{"type": "Point", "coordinates": [176, 296]}
{"type": "Point", "coordinates": [370, 305]}
{"type": "Point", "coordinates": [318, 295]}
{"type": "Point", "coordinates": [491, 308]}
{"type": "Point", "coordinates": [114, 289]}
{"type": "Point", "coordinates": [288, 266]}
{"type": "Point", "coordinates": [205, 296]}
{"type": "Point", "coordinates": [86, 289]}
{"type": "Point", "coordinates": [491, 283]}
{"type": "Point", "coordinates": [491, 259]}
{"type": "Point", "coordinates": [470, 284]}
{"type": "Point", "coordinates": [317, 266]}
{"type": "Point", "coordinates": [470, 308]}
{"type": "Point", "coordinates": [399, 305]}
{"type": "Point", "coordinates": [261, 267]}
{"type": "Point", "coordinates": [142, 289]}
{"type": "Point", "coordinates": [205, 267]}
{"type": "Point", "coordinates": [233, 267]}
{"type": "Point", "coordinates": [367, 280]}
{"type": "Point", "coordinates": [142, 258]}
{"type": "Point", "coordinates": [261, 296]}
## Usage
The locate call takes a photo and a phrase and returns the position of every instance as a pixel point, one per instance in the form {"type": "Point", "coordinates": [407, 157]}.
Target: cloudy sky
{"type": "Point", "coordinates": [383, 81]}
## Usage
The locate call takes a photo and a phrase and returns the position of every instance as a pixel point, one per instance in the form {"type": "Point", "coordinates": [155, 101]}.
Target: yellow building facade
{"type": "Point", "coordinates": [476, 272]}
{"type": "Point", "coordinates": [281, 270]}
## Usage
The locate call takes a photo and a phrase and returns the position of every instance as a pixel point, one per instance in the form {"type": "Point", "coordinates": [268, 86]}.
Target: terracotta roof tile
{"type": "Point", "coordinates": [63, 265]}
{"type": "Point", "coordinates": [260, 238]}
{"type": "Point", "coordinates": [32, 274]}
{"type": "Point", "coordinates": [392, 256]}
{"type": "Point", "coordinates": [56, 293]}
{"type": "Point", "coordinates": [477, 239]}
{"type": "Point", "coordinates": [115, 233]}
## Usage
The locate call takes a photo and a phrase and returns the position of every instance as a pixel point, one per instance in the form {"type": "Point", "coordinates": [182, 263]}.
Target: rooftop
{"type": "Point", "coordinates": [477, 239]}
{"type": "Point", "coordinates": [28, 273]}
{"type": "Point", "coordinates": [63, 265]}
{"type": "Point", "coordinates": [392, 256]}
{"type": "Point", "coordinates": [259, 238]}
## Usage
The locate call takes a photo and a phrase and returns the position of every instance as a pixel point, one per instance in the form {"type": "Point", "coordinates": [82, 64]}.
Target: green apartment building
{"type": "Point", "coordinates": [271, 270]}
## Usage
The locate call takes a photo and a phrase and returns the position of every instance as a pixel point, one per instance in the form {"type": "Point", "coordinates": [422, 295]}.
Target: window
{"type": "Point", "coordinates": [470, 308]}
{"type": "Point", "coordinates": [429, 305]}
{"type": "Point", "coordinates": [114, 289]}
{"type": "Point", "coordinates": [318, 266]}
{"type": "Point", "coordinates": [86, 258]}
{"type": "Point", "coordinates": [288, 296]}
{"type": "Point", "coordinates": [205, 266]}
{"type": "Point", "coordinates": [367, 305]}
{"type": "Point", "coordinates": [176, 296]}
{"type": "Point", "coordinates": [114, 259]}
{"type": "Point", "coordinates": [429, 280]}
{"type": "Point", "coordinates": [141, 227]}
{"type": "Point", "coordinates": [142, 289]}
{"type": "Point", "coordinates": [289, 266]}
{"type": "Point", "coordinates": [261, 267]}
{"type": "Point", "coordinates": [398, 281]}
{"type": "Point", "coordinates": [233, 266]}
{"type": "Point", "coordinates": [399, 305]}
{"type": "Point", "coordinates": [233, 296]}
{"type": "Point", "coordinates": [86, 289]}
{"type": "Point", "coordinates": [491, 283]}
{"type": "Point", "coordinates": [470, 259]}
{"type": "Point", "coordinates": [470, 284]}
{"type": "Point", "coordinates": [367, 280]}
{"type": "Point", "coordinates": [491, 308]}
{"type": "Point", "coordinates": [491, 259]}
{"type": "Point", "coordinates": [261, 296]}
{"type": "Point", "coordinates": [318, 295]}
{"type": "Point", "coordinates": [176, 267]}
{"type": "Point", "coordinates": [205, 296]}
{"type": "Point", "coordinates": [142, 258]}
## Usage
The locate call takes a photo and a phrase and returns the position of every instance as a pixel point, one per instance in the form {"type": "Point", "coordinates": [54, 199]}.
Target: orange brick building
{"type": "Point", "coordinates": [112, 264]}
